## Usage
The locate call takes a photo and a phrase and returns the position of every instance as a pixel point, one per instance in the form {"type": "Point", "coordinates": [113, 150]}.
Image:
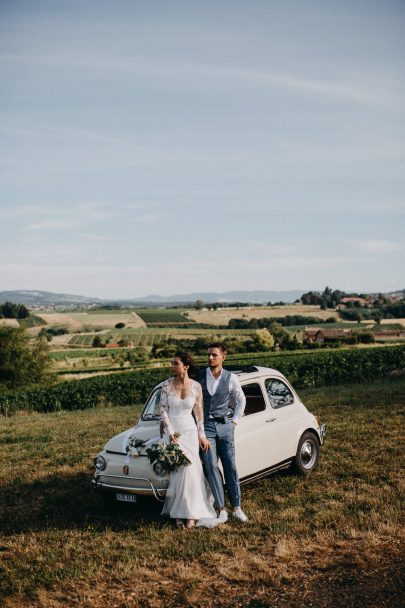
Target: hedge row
{"type": "Point", "coordinates": [340, 366]}
{"type": "Point", "coordinates": [303, 370]}
{"type": "Point", "coordinates": [111, 389]}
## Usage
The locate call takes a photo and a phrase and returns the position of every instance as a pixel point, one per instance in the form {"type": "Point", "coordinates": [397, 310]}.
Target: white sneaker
{"type": "Point", "coordinates": [239, 514]}
{"type": "Point", "coordinates": [223, 516]}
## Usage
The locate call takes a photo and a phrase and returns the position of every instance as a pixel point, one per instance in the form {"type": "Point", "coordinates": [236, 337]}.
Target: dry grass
{"type": "Point", "coordinates": [9, 323]}
{"type": "Point", "coordinates": [389, 321]}
{"type": "Point", "coordinates": [222, 316]}
{"type": "Point", "coordinates": [332, 539]}
{"type": "Point", "coordinates": [76, 321]}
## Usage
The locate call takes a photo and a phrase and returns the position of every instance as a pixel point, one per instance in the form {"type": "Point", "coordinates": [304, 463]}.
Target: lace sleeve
{"type": "Point", "coordinates": [164, 408]}
{"type": "Point", "coordinates": [198, 410]}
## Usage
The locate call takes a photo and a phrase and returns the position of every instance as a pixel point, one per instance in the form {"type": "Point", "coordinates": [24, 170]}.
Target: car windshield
{"type": "Point", "coordinates": [151, 410]}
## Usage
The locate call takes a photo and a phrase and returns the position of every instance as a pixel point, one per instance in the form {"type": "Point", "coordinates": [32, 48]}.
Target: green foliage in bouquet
{"type": "Point", "coordinates": [166, 457]}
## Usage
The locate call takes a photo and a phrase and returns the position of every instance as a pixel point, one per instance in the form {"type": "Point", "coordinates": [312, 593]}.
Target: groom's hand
{"type": "Point", "coordinates": [204, 444]}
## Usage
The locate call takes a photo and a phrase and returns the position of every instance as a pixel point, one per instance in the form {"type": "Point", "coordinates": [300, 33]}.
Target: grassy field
{"type": "Point", "coordinates": [103, 319]}
{"type": "Point", "coordinates": [222, 316]}
{"type": "Point", "coordinates": [159, 325]}
{"type": "Point", "coordinates": [332, 539]}
{"type": "Point", "coordinates": [75, 321]}
{"type": "Point", "coordinates": [9, 323]}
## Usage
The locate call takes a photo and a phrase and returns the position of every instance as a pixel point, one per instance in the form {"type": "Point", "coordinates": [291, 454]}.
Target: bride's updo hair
{"type": "Point", "coordinates": [187, 359]}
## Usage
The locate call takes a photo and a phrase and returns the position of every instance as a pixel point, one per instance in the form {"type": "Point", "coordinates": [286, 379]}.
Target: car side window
{"type": "Point", "coordinates": [254, 398]}
{"type": "Point", "coordinates": [279, 394]}
{"type": "Point", "coordinates": [152, 408]}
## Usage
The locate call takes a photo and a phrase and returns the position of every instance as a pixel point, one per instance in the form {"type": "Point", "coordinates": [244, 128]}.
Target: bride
{"type": "Point", "coordinates": [188, 500]}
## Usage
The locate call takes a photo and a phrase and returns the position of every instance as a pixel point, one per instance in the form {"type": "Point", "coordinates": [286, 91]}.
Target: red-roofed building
{"type": "Point", "coordinates": [320, 335]}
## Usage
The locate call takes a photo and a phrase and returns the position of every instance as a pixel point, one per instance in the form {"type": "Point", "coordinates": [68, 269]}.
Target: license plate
{"type": "Point", "coordinates": [125, 497]}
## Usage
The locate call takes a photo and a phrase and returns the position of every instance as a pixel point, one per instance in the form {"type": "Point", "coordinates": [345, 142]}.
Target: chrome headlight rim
{"type": "Point", "coordinates": [100, 463]}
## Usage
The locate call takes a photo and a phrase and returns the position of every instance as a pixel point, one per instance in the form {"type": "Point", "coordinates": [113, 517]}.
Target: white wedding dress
{"type": "Point", "coordinates": [188, 494]}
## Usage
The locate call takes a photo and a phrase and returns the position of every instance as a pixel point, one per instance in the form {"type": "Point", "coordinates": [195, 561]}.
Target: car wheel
{"type": "Point", "coordinates": [307, 455]}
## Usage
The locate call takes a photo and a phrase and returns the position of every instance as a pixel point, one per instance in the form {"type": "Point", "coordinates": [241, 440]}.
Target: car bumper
{"type": "Point", "coordinates": [138, 485]}
{"type": "Point", "coordinates": [322, 432]}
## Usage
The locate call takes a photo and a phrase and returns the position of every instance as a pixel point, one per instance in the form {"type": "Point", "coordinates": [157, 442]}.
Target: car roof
{"type": "Point", "coordinates": [246, 372]}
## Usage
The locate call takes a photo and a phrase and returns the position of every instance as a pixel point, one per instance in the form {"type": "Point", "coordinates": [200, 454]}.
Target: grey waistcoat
{"type": "Point", "coordinates": [217, 404]}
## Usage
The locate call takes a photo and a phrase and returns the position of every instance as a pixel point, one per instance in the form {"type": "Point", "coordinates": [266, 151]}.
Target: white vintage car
{"type": "Point", "coordinates": [276, 431]}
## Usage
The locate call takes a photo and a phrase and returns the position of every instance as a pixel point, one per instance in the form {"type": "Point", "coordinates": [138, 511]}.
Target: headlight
{"type": "Point", "coordinates": [159, 469]}
{"type": "Point", "coordinates": [100, 463]}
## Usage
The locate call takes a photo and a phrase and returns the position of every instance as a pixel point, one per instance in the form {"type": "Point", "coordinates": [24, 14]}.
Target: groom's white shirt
{"type": "Point", "coordinates": [235, 390]}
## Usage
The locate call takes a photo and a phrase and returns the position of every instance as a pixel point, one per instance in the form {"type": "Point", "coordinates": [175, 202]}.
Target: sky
{"type": "Point", "coordinates": [174, 146]}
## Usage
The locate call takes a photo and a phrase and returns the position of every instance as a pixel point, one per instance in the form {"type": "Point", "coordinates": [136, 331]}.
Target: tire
{"type": "Point", "coordinates": [307, 456]}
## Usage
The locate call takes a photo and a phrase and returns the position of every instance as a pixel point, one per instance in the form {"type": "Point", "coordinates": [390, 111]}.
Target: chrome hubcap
{"type": "Point", "coordinates": [308, 454]}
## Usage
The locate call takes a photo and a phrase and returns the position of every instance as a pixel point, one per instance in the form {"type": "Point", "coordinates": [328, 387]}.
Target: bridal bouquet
{"type": "Point", "coordinates": [166, 457]}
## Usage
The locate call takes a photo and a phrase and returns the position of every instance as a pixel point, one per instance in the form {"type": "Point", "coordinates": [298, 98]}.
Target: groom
{"type": "Point", "coordinates": [220, 388]}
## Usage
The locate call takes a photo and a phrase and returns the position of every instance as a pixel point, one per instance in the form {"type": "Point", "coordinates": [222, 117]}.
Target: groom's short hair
{"type": "Point", "coordinates": [219, 345]}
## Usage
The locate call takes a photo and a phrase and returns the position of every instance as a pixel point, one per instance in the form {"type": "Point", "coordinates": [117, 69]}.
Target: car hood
{"type": "Point", "coordinates": [119, 443]}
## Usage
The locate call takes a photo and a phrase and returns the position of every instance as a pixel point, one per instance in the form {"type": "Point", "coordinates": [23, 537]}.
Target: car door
{"type": "Point", "coordinates": [251, 436]}
{"type": "Point", "coordinates": [285, 418]}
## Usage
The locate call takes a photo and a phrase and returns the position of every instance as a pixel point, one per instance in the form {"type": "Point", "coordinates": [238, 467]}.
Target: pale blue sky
{"type": "Point", "coordinates": [178, 146]}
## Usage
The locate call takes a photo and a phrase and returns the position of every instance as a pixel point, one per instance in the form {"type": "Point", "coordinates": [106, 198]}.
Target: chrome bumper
{"type": "Point", "coordinates": [322, 433]}
{"type": "Point", "coordinates": [158, 493]}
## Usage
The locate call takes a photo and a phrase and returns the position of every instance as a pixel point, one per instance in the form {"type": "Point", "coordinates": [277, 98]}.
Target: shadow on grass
{"type": "Point", "coordinates": [69, 502]}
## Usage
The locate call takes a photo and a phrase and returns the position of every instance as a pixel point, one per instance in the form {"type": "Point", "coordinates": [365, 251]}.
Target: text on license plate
{"type": "Point", "coordinates": [125, 497]}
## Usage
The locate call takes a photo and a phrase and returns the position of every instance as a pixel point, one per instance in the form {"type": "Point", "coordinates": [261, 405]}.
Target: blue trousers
{"type": "Point", "coordinates": [221, 437]}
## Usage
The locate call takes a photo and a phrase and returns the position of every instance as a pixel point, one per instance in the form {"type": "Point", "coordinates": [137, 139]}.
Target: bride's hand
{"type": "Point", "coordinates": [204, 444]}
{"type": "Point", "coordinates": [174, 438]}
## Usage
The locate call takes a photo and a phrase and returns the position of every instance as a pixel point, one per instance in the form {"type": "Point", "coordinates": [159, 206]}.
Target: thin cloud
{"type": "Point", "coordinates": [97, 237]}
{"type": "Point", "coordinates": [356, 89]}
{"type": "Point", "coordinates": [54, 225]}
{"type": "Point", "coordinates": [381, 247]}
{"type": "Point", "coordinates": [272, 249]}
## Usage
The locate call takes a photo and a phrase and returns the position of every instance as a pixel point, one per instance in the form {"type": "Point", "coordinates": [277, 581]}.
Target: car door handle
{"type": "Point", "coordinates": [271, 419]}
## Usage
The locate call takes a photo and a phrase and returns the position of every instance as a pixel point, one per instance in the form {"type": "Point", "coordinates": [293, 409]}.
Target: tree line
{"type": "Point", "coordinates": [8, 310]}
{"type": "Point", "coordinates": [22, 364]}
{"type": "Point", "coordinates": [286, 321]}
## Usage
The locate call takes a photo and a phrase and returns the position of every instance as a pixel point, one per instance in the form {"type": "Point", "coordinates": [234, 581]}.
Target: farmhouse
{"type": "Point", "coordinates": [358, 302]}
{"type": "Point", "coordinates": [320, 335]}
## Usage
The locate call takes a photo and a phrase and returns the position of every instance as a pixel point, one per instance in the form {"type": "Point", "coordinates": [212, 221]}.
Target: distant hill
{"type": "Point", "coordinates": [44, 298]}
{"type": "Point", "coordinates": [259, 297]}
{"type": "Point", "coordinates": [48, 298]}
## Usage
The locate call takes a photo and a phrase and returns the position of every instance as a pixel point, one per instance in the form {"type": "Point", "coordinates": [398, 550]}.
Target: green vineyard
{"type": "Point", "coordinates": [304, 370]}
{"type": "Point", "coordinates": [155, 335]}
{"type": "Point", "coordinates": [135, 338]}
{"type": "Point", "coordinates": [163, 317]}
